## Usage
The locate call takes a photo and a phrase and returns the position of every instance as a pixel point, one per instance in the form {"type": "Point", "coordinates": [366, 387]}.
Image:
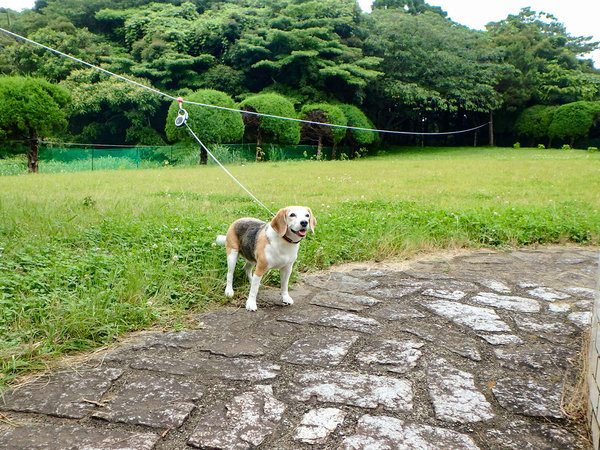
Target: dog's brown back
{"type": "Point", "coordinates": [247, 231]}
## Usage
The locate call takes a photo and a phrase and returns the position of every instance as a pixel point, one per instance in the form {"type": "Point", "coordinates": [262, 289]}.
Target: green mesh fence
{"type": "Point", "coordinates": [75, 159]}
{"type": "Point", "coordinates": [271, 152]}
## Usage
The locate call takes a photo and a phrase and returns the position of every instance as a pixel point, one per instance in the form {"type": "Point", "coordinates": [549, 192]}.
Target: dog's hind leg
{"type": "Point", "coordinates": [232, 258]}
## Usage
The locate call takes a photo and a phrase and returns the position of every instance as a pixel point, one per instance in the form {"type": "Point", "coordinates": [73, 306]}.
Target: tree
{"type": "Point", "coordinates": [542, 54]}
{"type": "Point", "coordinates": [32, 109]}
{"type": "Point", "coordinates": [357, 138]}
{"type": "Point", "coordinates": [311, 47]}
{"type": "Point", "coordinates": [110, 111]}
{"type": "Point", "coordinates": [559, 85]}
{"type": "Point", "coordinates": [410, 6]}
{"type": "Point", "coordinates": [265, 129]}
{"type": "Point", "coordinates": [176, 47]}
{"type": "Point", "coordinates": [574, 120]}
{"type": "Point", "coordinates": [534, 122]}
{"type": "Point", "coordinates": [435, 70]}
{"type": "Point", "coordinates": [25, 59]}
{"type": "Point", "coordinates": [222, 78]}
{"type": "Point", "coordinates": [211, 125]}
{"type": "Point", "coordinates": [323, 113]}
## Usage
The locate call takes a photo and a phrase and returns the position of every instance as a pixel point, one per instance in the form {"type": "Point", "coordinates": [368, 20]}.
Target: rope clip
{"type": "Point", "coordinates": [182, 115]}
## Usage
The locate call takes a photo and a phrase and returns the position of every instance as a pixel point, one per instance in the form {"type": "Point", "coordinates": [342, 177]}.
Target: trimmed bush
{"type": "Point", "coordinates": [358, 138]}
{"type": "Point", "coordinates": [574, 120]}
{"type": "Point", "coordinates": [533, 122]}
{"type": "Point", "coordinates": [323, 113]}
{"type": "Point", "coordinates": [269, 130]}
{"type": "Point", "coordinates": [211, 125]}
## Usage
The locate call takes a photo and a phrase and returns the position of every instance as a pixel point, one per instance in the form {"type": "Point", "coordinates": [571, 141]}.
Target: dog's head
{"type": "Point", "coordinates": [296, 219]}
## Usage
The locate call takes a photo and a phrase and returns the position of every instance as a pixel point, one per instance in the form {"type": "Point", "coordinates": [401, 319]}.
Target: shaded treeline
{"type": "Point", "coordinates": [406, 66]}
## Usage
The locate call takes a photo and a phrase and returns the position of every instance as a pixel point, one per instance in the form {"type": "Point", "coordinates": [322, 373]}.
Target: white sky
{"type": "Point", "coordinates": [580, 17]}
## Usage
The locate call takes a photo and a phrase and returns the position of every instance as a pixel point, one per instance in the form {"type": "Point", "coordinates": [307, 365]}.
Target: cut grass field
{"type": "Point", "coordinates": [85, 257]}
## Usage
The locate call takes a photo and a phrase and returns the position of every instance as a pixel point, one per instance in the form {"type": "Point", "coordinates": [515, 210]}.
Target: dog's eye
{"type": "Point", "coordinates": [293, 215]}
{"type": "Point", "coordinates": [307, 215]}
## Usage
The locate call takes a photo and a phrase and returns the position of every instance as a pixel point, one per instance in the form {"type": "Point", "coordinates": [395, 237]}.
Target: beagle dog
{"type": "Point", "coordinates": [266, 245]}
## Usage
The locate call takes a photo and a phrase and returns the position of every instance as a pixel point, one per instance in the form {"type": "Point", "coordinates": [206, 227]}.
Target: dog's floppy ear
{"type": "Point", "coordinates": [279, 222]}
{"type": "Point", "coordinates": [312, 221]}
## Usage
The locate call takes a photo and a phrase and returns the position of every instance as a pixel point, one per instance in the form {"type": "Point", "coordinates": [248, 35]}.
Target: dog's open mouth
{"type": "Point", "coordinates": [300, 232]}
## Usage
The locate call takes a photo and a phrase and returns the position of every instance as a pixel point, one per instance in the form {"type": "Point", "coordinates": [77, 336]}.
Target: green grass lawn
{"type": "Point", "coordinates": [87, 256]}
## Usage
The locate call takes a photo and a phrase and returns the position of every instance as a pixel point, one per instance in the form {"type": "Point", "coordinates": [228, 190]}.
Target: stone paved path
{"type": "Point", "coordinates": [463, 352]}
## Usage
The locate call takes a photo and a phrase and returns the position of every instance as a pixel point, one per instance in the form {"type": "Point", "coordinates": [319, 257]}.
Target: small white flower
{"type": "Point", "coordinates": [175, 258]}
{"type": "Point", "coordinates": [214, 244]}
{"type": "Point", "coordinates": [154, 246]}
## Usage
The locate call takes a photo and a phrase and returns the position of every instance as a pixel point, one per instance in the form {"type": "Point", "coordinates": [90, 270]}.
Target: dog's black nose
{"type": "Point", "coordinates": [304, 223]}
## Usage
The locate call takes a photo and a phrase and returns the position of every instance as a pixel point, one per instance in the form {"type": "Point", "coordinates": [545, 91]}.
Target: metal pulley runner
{"type": "Point", "coordinates": [182, 115]}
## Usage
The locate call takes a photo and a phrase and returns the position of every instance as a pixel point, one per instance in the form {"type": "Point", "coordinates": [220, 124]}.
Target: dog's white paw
{"type": "Point", "coordinates": [229, 292]}
{"type": "Point", "coordinates": [287, 300]}
{"type": "Point", "coordinates": [251, 305]}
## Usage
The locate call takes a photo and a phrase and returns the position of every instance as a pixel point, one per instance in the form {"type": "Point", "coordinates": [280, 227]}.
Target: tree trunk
{"type": "Point", "coordinates": [333, 151]}
{"type": "Point", "coordinates": [33, 152]}
{"type": "Point", "coordinates": [492, 143]}
{"type": "Point", "coordinates": [203, 157]}
{"type": "Point", "coordinates": [319, 147]}
{"type": "Point", "coordinates": [259, 152]}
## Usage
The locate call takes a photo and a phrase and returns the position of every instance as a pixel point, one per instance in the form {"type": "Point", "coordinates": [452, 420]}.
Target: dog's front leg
{"type": "Point", "coordinates": [284, 275]}
{"type": "Point", "coordinates": [251, 302]}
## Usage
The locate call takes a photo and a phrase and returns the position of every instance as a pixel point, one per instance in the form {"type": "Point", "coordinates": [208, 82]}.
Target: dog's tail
{"type": "Point", "coordinates": [220, 240]}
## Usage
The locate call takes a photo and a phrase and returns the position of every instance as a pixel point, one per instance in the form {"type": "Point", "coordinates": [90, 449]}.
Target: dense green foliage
{"type": "Point", "coordinates": [31, 109]}
{"type": "Point", "coordinates": [436, 70]}
{"type": "Point", "coordinates": [106, 110]}
{"type": "Point", "coordinates": [574, 120]}
{"type": "Point", "coordinates": [405, 65]}
{"type": "Point", "coordinates": [356, 118]}
{"type": "Point", "coordinates": [323, 134]}
{"type": "Point", "coordinates": [211, 125]}
{"type": "Point", "coordinates": [533, 123]}
{"type": "Point", "coordinates": [270, 130]}
{"type": "Point", "coordinates": [543, 59]}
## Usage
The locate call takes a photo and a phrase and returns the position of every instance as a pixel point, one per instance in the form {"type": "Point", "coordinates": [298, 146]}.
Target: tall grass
{"type": "Point", "coordinates": [87, 256]}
